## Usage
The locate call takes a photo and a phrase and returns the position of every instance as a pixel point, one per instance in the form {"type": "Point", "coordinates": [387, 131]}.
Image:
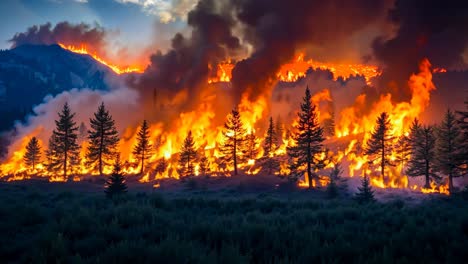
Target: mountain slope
{"type": "Point", "coordinates": [30, 72]}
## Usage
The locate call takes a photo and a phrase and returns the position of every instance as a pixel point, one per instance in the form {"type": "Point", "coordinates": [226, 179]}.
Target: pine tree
{"type": "Point", "coordinates": [234, 139]}
{"type": "Point", "coordinates": [463, 124]}
{"type": "Point", "coordinates": [115, 184]}
{"type": "Point", "coordinates": [188, 155]}
{"type": "Point", "coordinates": [33, 153]}
{"type": "Point", "coordinates": [448, 148]}
{"type": "Point", "coordinates": [63, 147]}
{"type": "Point", "coordinates": [251, 146]}
{"type": "Point", "coordinates": [308, 140]}
{"type": "Point", "coordinates": [332, 188]}
{"type": "Point", "coordinates": [269, 161]}
{"type": "Point", "coordinates": [103, 139]}
{"type": "Point", "coordinates": [422, 154]}
{"type": "Point", "coordinates": [143, 148]}
{"type": "Point", "coordinates": [365, 193]}
{"type": "Point", "coordinates": [380, 143]}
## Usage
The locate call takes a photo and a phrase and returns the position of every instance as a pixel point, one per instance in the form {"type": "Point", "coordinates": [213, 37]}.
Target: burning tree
{"type": "Point", "coordinates": [380, 143]}
{"type": "Point", "coordinates": [449, 146]}
{"type": "Point", "coordinates": [308, 140]}
{"type": "Point", "coordinates": [269, 147]}
{"type": "Point", "coordinates": [422, 153]}
{"type": "Point", "coordinates": [103, 139]}
{"type": "Point", "coordinates": [33, 153]}
{"type": "Point", "coordinates": [63, 148]}
{"type": "Point", "coordinates": [234, 139]}
{"type": "Point", "coordinates": [188, 155]}
{"type": "Point", "coordinates": [116, 185]}
{"type": "Point", "coordinates": [142, 149]}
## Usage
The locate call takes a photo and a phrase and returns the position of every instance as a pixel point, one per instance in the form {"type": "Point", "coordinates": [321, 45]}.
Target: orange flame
{"type": "Point", "coordinates": [117, 69]}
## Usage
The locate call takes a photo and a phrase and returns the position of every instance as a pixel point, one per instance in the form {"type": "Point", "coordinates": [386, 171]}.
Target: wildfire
{"type": "Point", "coordinates": [352, 130]}
{"type": "Point", "coordinates": [117, 69]}
{"type": "Point", "coordinates": [297, 68]}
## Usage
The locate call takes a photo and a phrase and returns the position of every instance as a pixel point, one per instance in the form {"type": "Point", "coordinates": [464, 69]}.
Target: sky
{"type": "Point", "coordinates": [132, 22]}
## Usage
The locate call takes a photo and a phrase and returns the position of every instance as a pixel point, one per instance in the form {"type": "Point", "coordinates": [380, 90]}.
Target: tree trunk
{"type": "Point", "coordinates": [142, 162]}
{"type": "Point", "coordinates": [235, 156]}
{"type": "Point", "coordinates": [101, 147]}
{"type": "Point", "coordinates": [382, 163]}
{"type": "Point", "coordinates": [309, 170]}
{"type": "Point", "coordinates": [427, 185]}
{"type": "Point", "coordinates": [65, 165]}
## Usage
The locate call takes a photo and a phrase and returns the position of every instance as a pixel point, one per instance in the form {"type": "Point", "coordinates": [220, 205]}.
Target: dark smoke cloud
{"type": "Point", "coordinates": [278, 28]}
{"type": "Point", "coordinates": [273, 29]}
{"type": "Point", "coordinates": [64, 32]}
{"type": "Point", "coordinates": [434, 29]}
{"type": "Point", "coordinates": [185, 67]}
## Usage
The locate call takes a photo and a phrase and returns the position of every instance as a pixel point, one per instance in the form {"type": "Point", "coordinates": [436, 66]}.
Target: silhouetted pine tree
{"type": "Point", "coordinates": [143, 148]}
{"type": "Point", "coordinates": [33, 153]}
{"type": "Point", "coordinates": [234, 139]}
{"type": "Point", "coordinates": [63, 147]}
{"type": "Point", "coordinates": [269, 160]}
{"type": "Point", "coordinates": [308, 140]}
{"type": "Point", "coordinates": [115, 184]}
{"type": "Point", "coordinates": [332, 188]}
{"type": "Point", "coordinates": [463, 124]}
{"type": "Point", "coordinates": [188, 155]}
{"type": "Point", "coordinates": [380, 143]}
{"type": "Point", "coordinates": [448, 148]}
{"type": "Point", "coordinates": [365, 193]}
{"type": "Point", "coordinates": [422, 157]}
{"type": "Point", "coordinates": [103, 139]}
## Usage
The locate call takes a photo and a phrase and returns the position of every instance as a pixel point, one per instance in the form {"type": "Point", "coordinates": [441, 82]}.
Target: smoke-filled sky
{"type": "Point", "coordinates": [134, 22]}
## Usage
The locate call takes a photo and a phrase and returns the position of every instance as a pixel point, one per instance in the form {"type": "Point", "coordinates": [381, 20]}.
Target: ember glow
{"type": "Point", "coordinates": [82, 49]}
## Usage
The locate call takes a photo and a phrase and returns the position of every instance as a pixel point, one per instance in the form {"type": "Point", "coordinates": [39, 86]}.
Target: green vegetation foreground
{"type": "Point", "coordinates": [71, 226]}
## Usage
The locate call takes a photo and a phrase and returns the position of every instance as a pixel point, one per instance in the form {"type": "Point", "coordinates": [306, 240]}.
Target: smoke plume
{"type": "Point", "coordinates": [64, 32]}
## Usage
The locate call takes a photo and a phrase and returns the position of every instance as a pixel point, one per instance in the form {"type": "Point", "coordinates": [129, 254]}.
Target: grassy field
{"type": "Point", "coordinates": [76, 223]}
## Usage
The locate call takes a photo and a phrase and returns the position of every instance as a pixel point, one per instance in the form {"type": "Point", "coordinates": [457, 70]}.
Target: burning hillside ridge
{"type": "Point", "coordinates": [243, 93]}
{"type": "Point", "coordinates": [156, 150]}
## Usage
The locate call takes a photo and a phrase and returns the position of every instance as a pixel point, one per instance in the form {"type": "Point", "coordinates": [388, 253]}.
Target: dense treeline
{"type": "Point", "coordinates": [76, 227]}
{"type": "Point", "coordinates": [437, 152]}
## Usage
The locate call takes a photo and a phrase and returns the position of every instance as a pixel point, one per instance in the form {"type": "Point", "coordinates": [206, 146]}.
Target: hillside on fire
{"type": "Point", "coordinates": [316, 131]}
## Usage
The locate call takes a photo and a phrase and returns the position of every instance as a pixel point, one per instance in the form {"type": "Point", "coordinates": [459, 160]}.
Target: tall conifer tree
{"type": "Point", "coordinates": [188, 155]}
{"type": "Point", "coordinates": [234, 139]}
{"type": "Point", "coordinates": [380, 144]}
{"type": "Point", "coordinates": [33, 153]}
{"type": "Point", "coordinates": [63, 146]}
{"type": "Point", "coordinates": [308, 139]}
{"type": "Point", "coordinates": [143, 148]}
{"type": "Point", "coordinates": [103, 139]}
